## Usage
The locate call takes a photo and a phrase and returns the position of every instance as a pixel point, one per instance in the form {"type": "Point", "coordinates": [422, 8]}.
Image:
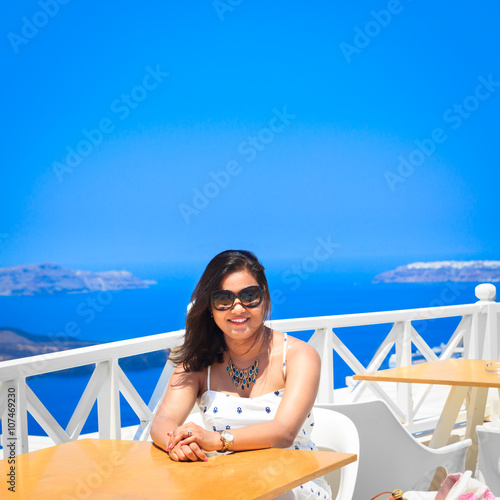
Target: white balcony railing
{"type": "Point", "coordinates": [477, 335]}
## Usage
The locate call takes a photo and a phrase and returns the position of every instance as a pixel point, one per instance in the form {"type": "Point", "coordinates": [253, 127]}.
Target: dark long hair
{"type": "Point", "coordinates": [204, 341]}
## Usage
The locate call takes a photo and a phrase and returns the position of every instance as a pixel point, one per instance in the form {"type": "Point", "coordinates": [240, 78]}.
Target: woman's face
{"type": "Point", "coordinates": [239, 323]}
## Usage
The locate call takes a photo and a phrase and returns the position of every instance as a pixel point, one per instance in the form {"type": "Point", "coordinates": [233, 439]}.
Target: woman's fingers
{"type": "Point", "coordinates": [182, 433]}
{"type": "Point", "coordinates": [183, 443]}
{"type": "Point", "coordinates": [189, 440]}
{"type": "Point", "coordinates": [198, 452]}
{"type": "Point", "coordinates": [187, 453]}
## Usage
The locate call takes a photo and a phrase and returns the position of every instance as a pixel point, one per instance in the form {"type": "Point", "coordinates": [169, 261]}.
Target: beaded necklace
{"type": "Point", "coordinates": [244, 376]}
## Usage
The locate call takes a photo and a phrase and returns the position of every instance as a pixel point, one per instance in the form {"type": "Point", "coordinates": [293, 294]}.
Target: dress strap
{"type": "Point", "coordinates": [208, 377]}
{"type": "Point", "coordinates": [285, 343]}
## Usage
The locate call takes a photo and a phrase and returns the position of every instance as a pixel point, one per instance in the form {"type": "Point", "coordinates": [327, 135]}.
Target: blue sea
{"type": "Point", "coordinates": [299, 289]}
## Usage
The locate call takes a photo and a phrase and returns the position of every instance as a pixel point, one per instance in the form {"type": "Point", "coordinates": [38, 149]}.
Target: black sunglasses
{"type": "Point", "coordinates": [251, 296]}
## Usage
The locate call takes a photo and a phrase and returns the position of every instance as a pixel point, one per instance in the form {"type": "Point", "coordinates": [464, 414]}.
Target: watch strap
{"type": "Point", "coordinates": [227, 441]}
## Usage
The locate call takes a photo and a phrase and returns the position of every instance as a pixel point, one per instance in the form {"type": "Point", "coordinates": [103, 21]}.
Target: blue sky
{"type": "Point", "coordinates": [149, 132]}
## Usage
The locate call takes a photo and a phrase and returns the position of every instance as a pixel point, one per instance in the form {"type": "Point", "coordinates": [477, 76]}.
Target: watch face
{"type": "Point", "coordinates": [227, 437]}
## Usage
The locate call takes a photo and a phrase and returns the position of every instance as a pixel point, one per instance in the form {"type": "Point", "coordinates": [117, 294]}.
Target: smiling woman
{"type": "Point", "coordinates": [254, 386]}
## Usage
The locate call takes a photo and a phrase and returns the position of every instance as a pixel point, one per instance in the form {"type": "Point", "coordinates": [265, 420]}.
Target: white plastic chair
{"type": "Point", "coordinates": [335, 432]}
{"type": "Point", "coordinates": [390, 457]}
{"type": "Point", "coordinates": [488, 439]}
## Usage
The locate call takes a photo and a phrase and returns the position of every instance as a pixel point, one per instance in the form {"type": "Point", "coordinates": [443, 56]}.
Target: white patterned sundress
{"type": "Point", "coordinates": [224, 411]}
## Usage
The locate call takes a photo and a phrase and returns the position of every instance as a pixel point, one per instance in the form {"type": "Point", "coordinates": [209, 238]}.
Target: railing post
{"type": "Point", "coordinates": [108, 404]}
{"type": "Point", "coordinates": [322, 342]}
{"type": "Point", "coordinates": [14, 418]}
{"type": "Point", "coordinates": [403, 358]}
{"type": "Point", "coordinates": [471, 338]}
{"type": "Point", "coordinates": [488, 333]}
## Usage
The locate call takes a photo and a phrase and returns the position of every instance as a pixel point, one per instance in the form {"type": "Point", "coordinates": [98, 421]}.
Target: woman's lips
{"type": "Point", "coordinates": [238, 321]}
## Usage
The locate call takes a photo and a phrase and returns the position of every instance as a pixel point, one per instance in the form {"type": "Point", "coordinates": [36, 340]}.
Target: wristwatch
{"type": "Point", "coordinates": [227, 441]}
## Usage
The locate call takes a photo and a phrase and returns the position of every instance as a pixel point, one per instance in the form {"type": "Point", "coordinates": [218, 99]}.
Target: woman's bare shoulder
{"type": "Point", "coordinates": [297, 347]}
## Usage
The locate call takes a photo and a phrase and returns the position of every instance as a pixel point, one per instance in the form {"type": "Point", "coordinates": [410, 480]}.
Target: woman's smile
{"type": "Point", "coordinates": [238, 321]}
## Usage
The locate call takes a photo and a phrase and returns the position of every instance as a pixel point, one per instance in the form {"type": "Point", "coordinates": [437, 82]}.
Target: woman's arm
{"type": "Point", "coordinates": [178, 402]}
{"type": "Point", "coordinates": [301, 387]}
{"type": "Point", "coordinates": [303, 367]}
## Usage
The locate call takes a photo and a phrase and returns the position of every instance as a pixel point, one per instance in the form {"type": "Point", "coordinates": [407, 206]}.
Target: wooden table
{"type": "Point", "coordinates": [470, 383]}
{"type": "Point", "coordinates": [99, 468]}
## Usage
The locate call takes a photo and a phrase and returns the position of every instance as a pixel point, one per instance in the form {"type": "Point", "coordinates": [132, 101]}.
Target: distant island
{"type": "Point", "coordinates": [434, 272]}
{"type": "Point", "coordinates": [49, 279]}
{"type": "Point", "coordinates": [19, 344]}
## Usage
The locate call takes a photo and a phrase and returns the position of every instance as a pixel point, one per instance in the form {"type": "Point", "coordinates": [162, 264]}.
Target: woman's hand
{"type": "Point", "coordinates": [189, 442]}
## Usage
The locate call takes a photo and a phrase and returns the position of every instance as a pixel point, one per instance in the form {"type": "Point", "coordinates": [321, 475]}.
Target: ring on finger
{"type": "Point", "coordinates": [190, 432]}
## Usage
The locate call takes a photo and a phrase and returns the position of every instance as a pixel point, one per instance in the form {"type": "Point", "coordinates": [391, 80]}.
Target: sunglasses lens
{"type": "Point", "coordinates": [222, 300]}
{"type": "Point", "coordinates": [251, 296]}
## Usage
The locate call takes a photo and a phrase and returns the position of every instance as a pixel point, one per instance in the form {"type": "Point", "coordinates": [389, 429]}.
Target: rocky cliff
{"type": "Point", "coordinates": [428, 272]}
{"type": "Point", "coordinates": [38, 279]}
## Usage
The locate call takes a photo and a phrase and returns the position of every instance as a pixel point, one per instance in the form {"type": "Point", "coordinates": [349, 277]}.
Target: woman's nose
{"type": "Point", "coordinates": [238, 305]}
